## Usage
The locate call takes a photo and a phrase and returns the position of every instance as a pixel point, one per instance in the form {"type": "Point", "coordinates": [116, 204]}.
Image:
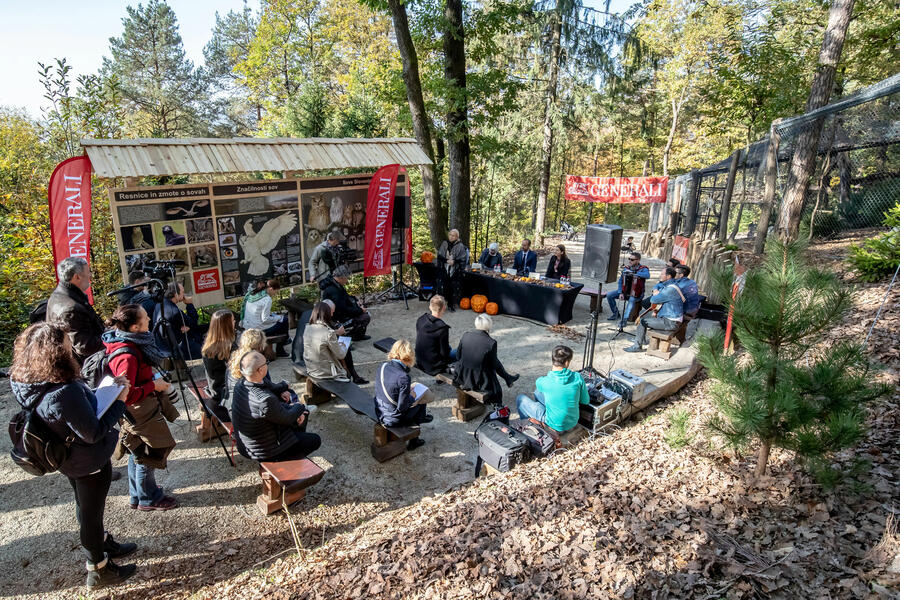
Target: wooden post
{"type": "Point", "coordinates": [726, 200]}
{"type": "Point", "coordinates": [687, 227]}
{"type": "Point", "coordinates": [771, 180]}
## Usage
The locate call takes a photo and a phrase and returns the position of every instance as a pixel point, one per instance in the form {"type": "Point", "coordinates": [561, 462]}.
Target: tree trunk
{"type": "Point", "coordinates": [437, 221]}
{"type": "Point", "coordinates": [819, 194]}
{"type": "Point", "coordinates": [547, 148]}
{"type": "Point", "coordinates": [737, 222]}
{"type": "Point", "coordinates": [673, 126]}
{"type": "Point", "coordinates": [804, 160]}
{"type": "Point", "coordinates": [729, 191]}
{"type": "Point", "coordinates": [771, 180]}
{"type": "Point", "coordinates": [762, 459]}
{"type": "Point", "coordinates": [457, 119]}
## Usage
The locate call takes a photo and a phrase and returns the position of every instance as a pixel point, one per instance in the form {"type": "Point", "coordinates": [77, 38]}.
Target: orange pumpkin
{"type": "Point", "coordinates": [465, 303]}
{"type": "Point", "coordinates": [491, 308]}
{"type": "Point", "coordinates": [427, 257]}
{"type": "Point", "coordinates": [478, 302]}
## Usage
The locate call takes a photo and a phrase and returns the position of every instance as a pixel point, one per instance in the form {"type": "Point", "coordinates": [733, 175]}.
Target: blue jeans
{"type": "Point", "coordinates": [142, 483]}
{"type": "Point", "coordinates": [454, 355]}
{"type": "Point", "coordinates": [531, 409]}
{"type": "Point", "coordinates": [611, 298]}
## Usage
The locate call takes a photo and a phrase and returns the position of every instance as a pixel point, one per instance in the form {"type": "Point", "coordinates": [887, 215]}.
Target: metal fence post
{"type": "Point", "coordinates": [690, 216]}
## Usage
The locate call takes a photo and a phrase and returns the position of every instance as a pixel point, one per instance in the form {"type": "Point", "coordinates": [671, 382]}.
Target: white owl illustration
{"type": "Point", "coordinates": [337, 209]}
{"type": "Point", "coordinates": [257, 244]}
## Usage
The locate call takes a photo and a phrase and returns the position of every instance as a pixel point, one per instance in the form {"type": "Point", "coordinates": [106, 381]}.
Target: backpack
{"type": "Point", "coordinates": [38, 313]}
{"type": "Point", "coordinates": [96, 366]}
{"type": "Point", "coordinates": [35, 448]}
{"type": "Point", "coordinates": [541, 440]}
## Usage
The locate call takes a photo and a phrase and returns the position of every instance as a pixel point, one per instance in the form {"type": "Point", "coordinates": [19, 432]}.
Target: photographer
{"type": "Point", "coordinates": [183, 325]}
{"type": "Point", "coordinates": [324, 258]}
{"type": "Point", "coordinates": [346, 307]}
{"type": "Point", "coordinates": [145, 437]}
{"type": "Point", "coordinates": [638, 275]}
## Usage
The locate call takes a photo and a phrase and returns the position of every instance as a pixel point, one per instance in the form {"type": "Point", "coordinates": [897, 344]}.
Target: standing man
{"type": "Point", "coordinates": [346, 307]}
{"type": "Point", "coordinates": [634, 294]}
{"type": "Point", "coordinates": [452, 257]}
{"type": "Point", "coordinates": [525, 260]}
{"type": "Point", "coordinates": [184, 325]}
{"type": "Point", "coordinates": [68, 306]}
{"type": "Point", "coordinates": [323, 258]}
{"type": "Point", "coordinates": [689, 289]}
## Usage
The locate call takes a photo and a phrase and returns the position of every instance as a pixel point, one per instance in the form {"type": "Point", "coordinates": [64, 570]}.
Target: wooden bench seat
{"type": "Point", "coordinates": [469, 403]}
{"type": "Point", "coordinates": [661, 343]}
{"type": "Point", "coordinates": [284, 483]}
{"type": "Point", "coordinates": [209, 428]}
{"type": "Point", "coordinates": [594, 294]}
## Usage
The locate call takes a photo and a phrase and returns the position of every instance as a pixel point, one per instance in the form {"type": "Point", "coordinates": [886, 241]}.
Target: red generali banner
{"type": "Point", "coordinates": [379, 220]}
{"type": "Point", "coordinates": [617, 190]}
{"type": "Point", "coordinates": [69, 196]}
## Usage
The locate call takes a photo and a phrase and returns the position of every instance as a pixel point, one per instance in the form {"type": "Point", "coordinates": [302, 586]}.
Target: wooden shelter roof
{"type": "Point", "coordinates": [144, 157]}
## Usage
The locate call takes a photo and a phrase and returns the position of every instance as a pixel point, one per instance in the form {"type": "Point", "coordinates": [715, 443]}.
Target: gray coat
{"type": "Point", "coordinates": [322, 352]}
{"type": "Point", "coordinates": [263, 422]}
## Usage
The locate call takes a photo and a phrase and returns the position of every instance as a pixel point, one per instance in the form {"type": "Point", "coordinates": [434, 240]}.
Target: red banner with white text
{"type": "Point", "coordinates": [69, 196]}
{"type": "Point", "coordinates": [617, 190]}
{"type": "Point", "coordinates": [379, 215]}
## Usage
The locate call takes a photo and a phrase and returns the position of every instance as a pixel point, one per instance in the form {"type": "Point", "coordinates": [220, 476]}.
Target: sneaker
{"type": "Point", "coordinates": [427, 419]}
{"type": "Point", "coordinates": [164, 503]}
{"type": "Point", "coordinates": [280, 353]}
{"type": "Point", "coordinates": [108, 573]}
{"type": "Point", "coordinates": [634, 348]}
{"type": "Point", "coordinates": [613, 317]}
{"type": "Point", "coordinates": [360, 381]}
{"type": "Point", "coordinates": [114, 549]}
{"type": "Point", "coordinates": [414, 443]}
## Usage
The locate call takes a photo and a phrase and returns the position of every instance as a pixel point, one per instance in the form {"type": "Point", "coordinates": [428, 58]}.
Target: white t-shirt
{"type": "Point", "coordinates": [258, 314]}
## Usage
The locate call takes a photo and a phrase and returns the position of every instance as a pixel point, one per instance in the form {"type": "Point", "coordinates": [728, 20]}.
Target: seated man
{"type": "Point", "coordinates": [557, 394]}
{"type": "Point", "coordinates": [666, 277]}
{"type": "Point", "coordinates": [491, 257]}
{"type": "Point", "coordinates": [668, 318]}
{"type": "Point", "coordinates": [433, 353]}
{"type": "Point", "coordinates": [689, 289]}
{"type": "Point", "coordinates": [346, 307]}
{"type": "Point", "coordinates": [268, 428]}
{"type": "Point", "coordinates": [634, 294]}
{"type": "Point", "coordinates": [525, 259]}
{"type": "Point", "coordinates": [183, 325]}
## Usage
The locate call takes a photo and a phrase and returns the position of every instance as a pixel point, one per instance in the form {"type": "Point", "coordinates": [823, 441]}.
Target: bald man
{"type": "Point", "coordinates": [452, 257]}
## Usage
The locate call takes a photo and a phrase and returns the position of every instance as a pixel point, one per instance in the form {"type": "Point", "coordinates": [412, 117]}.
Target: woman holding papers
{"type": "Point", "coordinates": [325, 349]}
{"type": "Point", "coordinates": [398, 401]}
{"type": "Point", "coordinates": [46, 378]}
{"type": "Point", "coordinates": [145, 436]}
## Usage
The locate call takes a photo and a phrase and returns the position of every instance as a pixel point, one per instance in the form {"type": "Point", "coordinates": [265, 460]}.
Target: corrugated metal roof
{"type": "Point", "coordinates": [150, 156]}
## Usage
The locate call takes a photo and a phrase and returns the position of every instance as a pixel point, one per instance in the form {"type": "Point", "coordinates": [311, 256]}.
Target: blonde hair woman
{"type": "Point", "coordinates": [395, 405]}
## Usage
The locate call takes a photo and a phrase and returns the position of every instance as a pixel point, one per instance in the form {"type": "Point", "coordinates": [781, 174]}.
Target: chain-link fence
{"type": "Point", "coordinates": [855, 179]}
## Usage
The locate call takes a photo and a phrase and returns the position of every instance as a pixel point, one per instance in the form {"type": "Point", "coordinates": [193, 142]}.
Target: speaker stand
{"type": "Point", "coordinates": [622, 321]}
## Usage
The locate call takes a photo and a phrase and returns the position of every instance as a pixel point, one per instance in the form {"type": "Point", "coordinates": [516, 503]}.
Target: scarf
{"type": "Point", "coordinates": [144, 340]}
{"type": "Point", "coordinates": [252, 297]}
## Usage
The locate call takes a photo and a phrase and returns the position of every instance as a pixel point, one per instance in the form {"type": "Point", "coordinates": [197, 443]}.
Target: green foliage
{"type": "Point", "coordinates": [878, 257]}
{"type": "Point", "coordinates": [677, 434]}
{"type": "Point", "coordinates": [780, 392]}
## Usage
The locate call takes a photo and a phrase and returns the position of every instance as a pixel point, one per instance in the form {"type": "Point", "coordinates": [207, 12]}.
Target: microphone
{"type": "Point", "coordinates": [127, 288]}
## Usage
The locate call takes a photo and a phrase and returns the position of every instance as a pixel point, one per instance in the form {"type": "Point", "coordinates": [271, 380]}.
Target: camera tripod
{"type": "Point", "coordinates": [399, 286]}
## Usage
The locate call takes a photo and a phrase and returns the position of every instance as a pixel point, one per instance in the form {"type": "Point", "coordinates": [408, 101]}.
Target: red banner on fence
{"type": "Point", "coordinates": [379, 215]}
{"type": "Point", "coordinates": [69, 196]}
{"type": "Point", "coordinates": [617, 190]}
{"type": "Point", "coordinates": [680, 248]}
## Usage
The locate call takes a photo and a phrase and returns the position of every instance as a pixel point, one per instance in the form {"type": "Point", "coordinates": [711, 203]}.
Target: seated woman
{"type": "Point", "coordinates": [256, 313]}
{"type": "Point", "coordinates": [217, 349]}
{"type": "Point", "coordinates": [255, 340]}
{"type": "Point", "coordinates": [267, 428]}
{"type": "Point", "coordinates": [477, 365]}
{"type": "Point", "coordinates": [557, 394]}
{"type": "Point", "coordinates": [395, 405]}
{"type": "Point", "coordinates": [324, 355]}
{"type": "Point", "coordinates": [559, 264]}
{"type": "Point", "coordinates": [433, 354]}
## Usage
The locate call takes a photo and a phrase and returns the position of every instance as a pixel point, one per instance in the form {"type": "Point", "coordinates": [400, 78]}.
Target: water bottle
{"type": "Point", "coordinates": [496, 268]}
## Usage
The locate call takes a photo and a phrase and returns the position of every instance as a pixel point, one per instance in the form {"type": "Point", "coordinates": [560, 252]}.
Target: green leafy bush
{"type": "Point", "coordinates": [677, 435]}
{"type": "Point", "coordinates": [878, 257]}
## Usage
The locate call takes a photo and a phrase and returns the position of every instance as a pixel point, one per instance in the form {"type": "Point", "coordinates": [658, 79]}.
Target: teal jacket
{"type": "Point", "coordinates": [563, 391]}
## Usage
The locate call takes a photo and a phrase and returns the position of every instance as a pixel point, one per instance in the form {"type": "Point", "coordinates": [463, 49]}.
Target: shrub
{"type": "Point", "coordinates": [878, 257]}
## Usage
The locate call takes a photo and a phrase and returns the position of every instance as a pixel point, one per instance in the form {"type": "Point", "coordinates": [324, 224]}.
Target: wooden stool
{"type": "Point", "coordinates": [469, 403]}
{"type": "Point", "coordinates": [284, 483]}
{"type": "Point", "coordinates": [314, 394]}
{"type": "Point", "coordinates": [210, 428]}
{"type": "Point", "coordinates": [391, 441]}
{"type": "Point", "coordinates": [661, 343]}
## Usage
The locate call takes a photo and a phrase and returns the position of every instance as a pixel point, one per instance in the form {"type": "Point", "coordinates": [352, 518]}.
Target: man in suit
{"type": "Point", "coordinates": [525, 259]}
{"type": "Point", "coordinates": [346, 307]}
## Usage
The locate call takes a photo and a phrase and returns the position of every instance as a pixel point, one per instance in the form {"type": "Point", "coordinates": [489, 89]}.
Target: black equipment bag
{"type": "Point", "coordinates": [501, 446]}
{"type": "Point", "coordinates": [96, 366]}
{"type": "Point", "coordinates": [38, 313]}
{"type": "Point", "coordinates": [35, 448]}
{"type": "Point", "coordinates": [542, 442]}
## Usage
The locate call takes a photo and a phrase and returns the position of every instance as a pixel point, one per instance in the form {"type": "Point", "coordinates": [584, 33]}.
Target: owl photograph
{"type": "Point", "coordinates": [319, 217]}
{"type": "Point", "coordinates": [337, 209]}
{"type": "Point", "coordinates": [359, 215]}
{"type": "Point", "coordinates": [139, 237]}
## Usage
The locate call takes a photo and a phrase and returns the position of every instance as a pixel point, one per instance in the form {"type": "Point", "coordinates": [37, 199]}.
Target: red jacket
{"type": "Point", "coordinates": [135, 368]}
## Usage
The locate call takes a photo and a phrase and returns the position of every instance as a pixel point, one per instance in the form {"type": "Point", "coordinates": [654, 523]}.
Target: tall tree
{"type": "Point", "coordinates": [549, 106]}
{"type": "Point", "coordinates": [804, 160]}
{"type": "Point", "coordinates": [457, 118]}
{"type": "Point", "coordinates": [166, 92]}
{"type": "Point", "coordinates": [229, 46]}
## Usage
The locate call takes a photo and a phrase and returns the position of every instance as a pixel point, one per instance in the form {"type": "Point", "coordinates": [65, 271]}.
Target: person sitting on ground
{"type": "Point", "coordinates": [556, 395]}
{"type": "Point", "coordinates": [268, 429]}
{"type": "Point", "coordinates": [346, 307]}
{"type": "Point", "coordinates": [668, 317]}
{"type": "Point", "coordinates": [322, 262]}
{"type": "Point", "coordinates": [145, 437]}
{"type": "Point", "coordinates": [46, 378]}
{"type": "Point", "coordinates": [433, 353]}
{"type": "Point", "coordinates": [629, 244]}
{"type": "Point", "coordinates": [635, 294]}
{"type": "Point", "coordinates": [491, 257]}
{"type": "Point", "coordinates": [690, 290]}
{"type": "Point", "coordinates": [217, 349]}
{"type": "Point", "coordinates": [525, 260]}
{"type": "Point", "coordinates": [254, 339]}
{"type": "Point", "coordinates": [184, 326]}
{"type": "Point", "coordinates": [666, 277]}
{"type": "Point", "coordinates": [452, 259]}
{"type": "Point", "coordinates": [477, 365]}
{"type": "Point", "coordinates": [559, 264]}
{"type": "Point", "coordinates": [256, 313]}
{"type": "Point", "coordinates": [395, 405]}
{"type": "Point", "coordinates": [69, 307]}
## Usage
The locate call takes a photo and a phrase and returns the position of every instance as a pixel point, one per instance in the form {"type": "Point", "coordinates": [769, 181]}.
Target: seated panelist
{"type": "Point", "coordinates": [670, 314]}
{"type": "Point", "coordinates": [491, 257]}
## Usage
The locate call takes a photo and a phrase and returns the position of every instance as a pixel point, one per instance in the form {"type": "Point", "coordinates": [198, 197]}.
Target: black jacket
{"type": "Point", "coordinates": [487, 261]}
{"type": "Point", "coordinates": [144, 300]}
{"type": "Point", "coordinates": [69, 307]}
{"type": "Point", "coordinates": [392, 392]}
{"type": "Point", "coordinates": [177, 318]}
{"type": "Point", "coordinates": [564, 267]}
{"type": "Point", "coordinates": [264, 424]}
{"type": "Point", "coordinates": [477, 367]}
{"type": "Point", "coordinates": [70, 410]}
{"type": "Point", "coordinates": [432, 344]}
{"type": "Point", "coordinates": [345, 305]}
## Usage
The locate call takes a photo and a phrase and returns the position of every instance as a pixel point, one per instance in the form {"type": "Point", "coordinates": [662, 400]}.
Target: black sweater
{"type": "Point", "coordinates": [432, 344]}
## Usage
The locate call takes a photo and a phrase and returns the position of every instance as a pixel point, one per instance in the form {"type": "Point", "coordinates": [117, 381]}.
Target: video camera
{"type": "Point", "coordinates": [344, 254]}
{"type": "Point", "coordinates": [160, 273]}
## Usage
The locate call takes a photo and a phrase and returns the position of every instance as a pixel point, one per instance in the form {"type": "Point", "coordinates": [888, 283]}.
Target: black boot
{"type": "Point", "coordinates": [114, 549]}
{"type": "Point", "coordinates": [414, 443]}
{"type": "Point", "coordinates": [108, 573]}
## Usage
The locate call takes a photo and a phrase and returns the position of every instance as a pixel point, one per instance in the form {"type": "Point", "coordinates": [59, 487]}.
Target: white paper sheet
{"type": "Point", "coordinates": [106, 394]}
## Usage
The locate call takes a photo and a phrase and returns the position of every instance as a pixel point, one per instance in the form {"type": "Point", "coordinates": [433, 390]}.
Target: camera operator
{"type": "Point", "coordinates": [638, 275]}
{"type": "Point", "coordinates": [324, 258]}
{"type": "Point", "coordinates": [346, 307]}
{"type": "Point", "coordinates": [184, 327]}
